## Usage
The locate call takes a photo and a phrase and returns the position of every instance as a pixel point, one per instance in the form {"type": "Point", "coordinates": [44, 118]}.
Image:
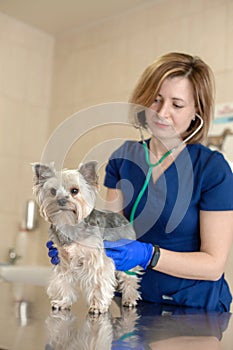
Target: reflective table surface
{"type": "Point", "coordinates": [27, 323]}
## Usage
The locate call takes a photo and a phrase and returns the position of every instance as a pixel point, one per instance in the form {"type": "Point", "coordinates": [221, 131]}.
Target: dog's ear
{"type": "Point", "coordinates": [42, 172]}
{"type": "Point", "coordinates": [89, 172]}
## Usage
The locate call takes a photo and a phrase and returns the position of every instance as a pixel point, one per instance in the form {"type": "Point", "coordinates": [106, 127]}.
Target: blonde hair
{"type": "Point", "coordinates": [176, 64]}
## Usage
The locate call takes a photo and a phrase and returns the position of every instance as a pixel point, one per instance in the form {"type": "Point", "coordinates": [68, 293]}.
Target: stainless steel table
{"type": "Point", "coordinates": [27, 323]}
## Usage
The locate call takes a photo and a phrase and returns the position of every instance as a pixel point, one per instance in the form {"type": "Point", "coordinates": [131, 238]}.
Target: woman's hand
{"type": "Point", "coordinates": [53, 253]}
{"type": "Point", "coordinates": [128, 254]}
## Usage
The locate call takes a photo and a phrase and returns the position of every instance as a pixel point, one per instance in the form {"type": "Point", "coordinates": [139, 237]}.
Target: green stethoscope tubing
{"type": "Point", "coordinates": [151, 165]}
{"type": "Point", "coordinates": [145, 185]}
{"type": "Point", "coordinates": [149, 173]}
{"type": "Point", "coordinates": [148, 177]}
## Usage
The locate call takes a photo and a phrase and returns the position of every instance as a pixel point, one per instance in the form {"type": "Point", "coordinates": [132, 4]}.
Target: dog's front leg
{"type": "Point", "coordinates": [61, 288]}
{"type": "Point", "coordinates": [128, 284]}
{"type": "Point", "coordinates": [99, 282]}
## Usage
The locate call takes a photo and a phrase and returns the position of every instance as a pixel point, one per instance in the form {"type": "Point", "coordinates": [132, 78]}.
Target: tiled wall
{"type": "Point", "coordinates": [98, 64]}
{"type": "Point", "coordinates": [102, 63]}
{"type": "Point", "coordinates": [26, 58]}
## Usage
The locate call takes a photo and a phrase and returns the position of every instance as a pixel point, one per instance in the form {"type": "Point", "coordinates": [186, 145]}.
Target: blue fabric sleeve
{"type": "Point", "coordinates": [112, 171]}
{"type": "Point", "coordinates": [217, 186]}
{"type": "Point", "coordinates": [112, 175]}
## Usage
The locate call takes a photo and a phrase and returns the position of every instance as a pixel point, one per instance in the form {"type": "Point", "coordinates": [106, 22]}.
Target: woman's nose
{"type": "Point", "coordinates": [163, 110]}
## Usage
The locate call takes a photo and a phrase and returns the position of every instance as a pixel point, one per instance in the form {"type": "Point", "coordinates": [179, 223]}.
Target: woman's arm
{"type": "Point", "coordinates": [216, 229]}
{"type": "Point", "coordinates": [216, 237]}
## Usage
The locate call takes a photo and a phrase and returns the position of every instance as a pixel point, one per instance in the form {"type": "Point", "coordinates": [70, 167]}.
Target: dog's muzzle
{"type": "Point", "coordinates": [62, 202]}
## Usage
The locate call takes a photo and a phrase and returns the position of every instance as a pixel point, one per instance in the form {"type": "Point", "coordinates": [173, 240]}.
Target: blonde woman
{"type": "Point", "coordinates": [180, 198]}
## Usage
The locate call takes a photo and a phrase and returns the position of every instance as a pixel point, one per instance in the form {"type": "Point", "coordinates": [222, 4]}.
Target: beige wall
{"type": "Point", "coordinates": [92, 66]}
{"type": "Point", "coordinates": [102, 63]}
{"type": "Point", "coordinates": [26, 58]}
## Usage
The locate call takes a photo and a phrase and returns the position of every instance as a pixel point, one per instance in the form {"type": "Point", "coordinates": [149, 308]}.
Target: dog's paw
{"type": "Point", "coordinates": [57, 307]}
{"type": "Point", "coordinates": [95, 311]}
{"type": "Point", "coordinates": [129, 303]}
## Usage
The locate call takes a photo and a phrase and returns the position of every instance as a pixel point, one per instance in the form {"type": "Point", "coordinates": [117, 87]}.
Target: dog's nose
{"type": "Point", "coordinates": [62, 202]}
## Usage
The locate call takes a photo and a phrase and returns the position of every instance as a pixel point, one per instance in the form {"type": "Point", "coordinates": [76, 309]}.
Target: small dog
{"type": "Point", "coordinates": [67, 199]}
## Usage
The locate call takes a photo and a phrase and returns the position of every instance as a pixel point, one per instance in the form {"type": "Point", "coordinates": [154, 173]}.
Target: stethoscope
{"type": "Point", "coordinates": [153, 165]}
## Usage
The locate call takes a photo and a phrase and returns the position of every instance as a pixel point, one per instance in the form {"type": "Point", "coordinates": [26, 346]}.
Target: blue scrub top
{"type": "Point", "coordinates": [168, 215]}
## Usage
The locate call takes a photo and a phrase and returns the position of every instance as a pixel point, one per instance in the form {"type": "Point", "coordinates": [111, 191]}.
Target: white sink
{"type": "Point", "coordinates": [37, 275]}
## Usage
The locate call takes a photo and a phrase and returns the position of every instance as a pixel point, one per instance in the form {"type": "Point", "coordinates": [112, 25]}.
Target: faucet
{"type": "Point", "coordinates": [13, 257]}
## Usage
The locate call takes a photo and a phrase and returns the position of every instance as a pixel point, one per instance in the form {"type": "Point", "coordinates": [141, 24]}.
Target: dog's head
{"type": "Point", "coordinates": [66, 196]}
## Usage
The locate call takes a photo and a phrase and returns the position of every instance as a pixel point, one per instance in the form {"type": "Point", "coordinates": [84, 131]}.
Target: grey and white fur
{"type": "Point", "coordinates": [67, 200]}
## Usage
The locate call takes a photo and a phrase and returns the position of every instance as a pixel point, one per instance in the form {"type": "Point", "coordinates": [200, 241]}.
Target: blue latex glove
{"type": "Point", "coordinates": [128, 254]}
{"type": "Point", "coordinates": [53, 253]}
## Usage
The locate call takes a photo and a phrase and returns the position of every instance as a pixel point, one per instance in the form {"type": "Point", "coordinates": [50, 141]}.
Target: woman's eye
{"type": "Point", "coordinates": [74, 191]}
{"type": "Point", "coordinates": [53, 191]}
{"type": "Point", "coordinates": [178, 106]}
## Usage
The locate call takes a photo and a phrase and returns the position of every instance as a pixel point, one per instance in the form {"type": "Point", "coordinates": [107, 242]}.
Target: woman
{"type": "Point", "coordinates": [183, 191]}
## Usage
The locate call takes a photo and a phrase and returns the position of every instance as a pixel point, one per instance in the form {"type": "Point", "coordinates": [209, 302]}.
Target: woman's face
{"type": "Point", "coordinates": [174, 107]}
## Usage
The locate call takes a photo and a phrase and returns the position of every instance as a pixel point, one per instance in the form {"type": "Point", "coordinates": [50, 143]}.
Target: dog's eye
{"type": "Point", "coordinates": [74, 191]}
{"type": "Point", "coordinates": [53, 191]}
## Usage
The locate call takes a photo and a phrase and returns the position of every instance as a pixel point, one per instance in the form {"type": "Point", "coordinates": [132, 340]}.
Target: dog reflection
{"type": "Point", "coordinates": [94, 333]}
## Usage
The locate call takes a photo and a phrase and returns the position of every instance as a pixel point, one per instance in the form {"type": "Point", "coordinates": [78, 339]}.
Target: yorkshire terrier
{"type": "Point", "coordinates": [67, 200]}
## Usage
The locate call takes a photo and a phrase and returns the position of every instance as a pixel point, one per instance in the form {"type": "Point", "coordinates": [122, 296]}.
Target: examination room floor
{"type": "Point", "coordinates": [27, 323]}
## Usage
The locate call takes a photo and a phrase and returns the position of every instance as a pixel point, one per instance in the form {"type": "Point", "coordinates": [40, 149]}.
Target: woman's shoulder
{"type": "Point", "coordinates": [213, 178]}
{"type": "Point", "coordinates": [206, 156]}
{"type": "Point", "coordinates": [202, 150]}
{"type": "Point", "coordinates": [210, 167]}
{"type": "Point", "coordinates": [129, 147]}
